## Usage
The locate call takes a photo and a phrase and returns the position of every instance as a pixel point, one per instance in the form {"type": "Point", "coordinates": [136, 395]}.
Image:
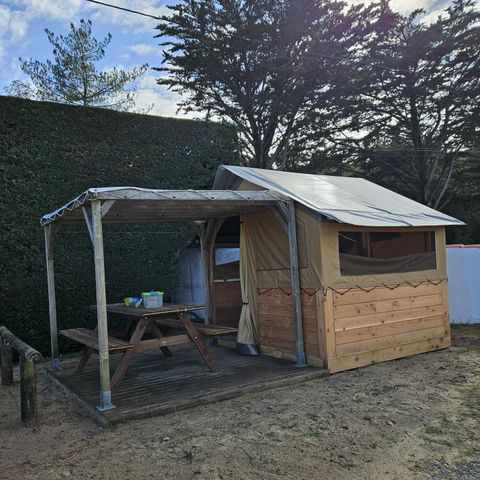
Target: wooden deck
{"type": "Point", "coordinates": [155, 385]}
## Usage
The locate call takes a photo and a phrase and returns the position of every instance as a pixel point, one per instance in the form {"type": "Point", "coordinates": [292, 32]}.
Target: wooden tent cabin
{"type": "Point", "coordinates": [372, 271]}
{"type": "Point", "coordinates": [334, 272]}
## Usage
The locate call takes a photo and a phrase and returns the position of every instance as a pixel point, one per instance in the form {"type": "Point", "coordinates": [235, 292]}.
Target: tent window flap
{"type": "Point", "coordinates": [373, 253]}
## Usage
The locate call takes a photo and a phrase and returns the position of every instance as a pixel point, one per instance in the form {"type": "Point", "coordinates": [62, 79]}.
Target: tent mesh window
{"type": "Point", "coordinates": [371, 253]}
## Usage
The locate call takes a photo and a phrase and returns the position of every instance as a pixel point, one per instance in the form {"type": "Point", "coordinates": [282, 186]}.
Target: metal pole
{"type": "Point", "coordinates": [295, 278]}
{"type": "Point", "coordinates": [105, 392]}
{"type": "Point", "coordinates": [50, 231]}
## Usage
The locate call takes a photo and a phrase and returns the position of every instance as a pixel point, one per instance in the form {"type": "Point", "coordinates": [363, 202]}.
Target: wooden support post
{"type": "Point", "coordinates": [6, 359]}
{"type": "Point", "coordinates": [28, 392]}
{"type": "Point", "coordinates": [207, 261]}
{"type": "Point", "coordinates": [28, 373]}
{"type": "Point", "coordinates": [295, 279]}
{"type": "Point", "coordinates": [50, 232]}
{"type": "Point", "coordinates": [207, 236]}
{"type": "Point", "coordinates": [87, 215]}
{"type": "Point", "coordinates": [102, 326]}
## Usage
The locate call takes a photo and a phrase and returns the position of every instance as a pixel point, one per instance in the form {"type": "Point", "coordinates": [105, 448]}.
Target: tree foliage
{"type": "Point", "coordinates": [257, 63]}
{"type": "Point", "coordinates": [412, 105]}
{"type": "Point", "coordinates": [50, 153]}
{"type": "Point", "coordinates": [72, 77]}
{"type": "Point", "coordinates": [320, 87]}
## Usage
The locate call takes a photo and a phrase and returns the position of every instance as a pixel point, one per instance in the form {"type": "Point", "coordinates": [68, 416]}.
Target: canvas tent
{"type": "Point", "coordinates": [335, 271]}
{"type": "Point", "coordinates": [372, 270]}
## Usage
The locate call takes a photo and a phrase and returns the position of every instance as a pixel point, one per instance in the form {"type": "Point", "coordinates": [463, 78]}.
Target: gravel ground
{"type": "Point", "coordinates": [467, 471]}
{"type": "Point", "coordinates": [414, 418]}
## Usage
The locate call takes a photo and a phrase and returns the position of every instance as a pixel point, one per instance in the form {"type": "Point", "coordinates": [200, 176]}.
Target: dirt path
{"type": "Point", "coordinates": [412, 418]}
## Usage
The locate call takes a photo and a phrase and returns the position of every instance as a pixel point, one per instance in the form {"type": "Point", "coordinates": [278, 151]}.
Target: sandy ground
{"type": "Point", "coordinates": [417, 417]}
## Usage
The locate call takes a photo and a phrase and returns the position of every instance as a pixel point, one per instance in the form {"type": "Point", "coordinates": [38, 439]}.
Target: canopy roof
{"type": "Point", "coordinates": [142, 205]}
{"type": "Point", "coordinates": [351, 200]}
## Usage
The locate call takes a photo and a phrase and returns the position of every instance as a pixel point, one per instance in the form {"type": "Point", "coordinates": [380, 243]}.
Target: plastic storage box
{"type": "Point", "coordinates": [152, 299]}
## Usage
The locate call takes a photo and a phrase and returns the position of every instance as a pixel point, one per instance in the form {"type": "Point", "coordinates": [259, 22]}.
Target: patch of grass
{"type": "Point", "coordinates": [440, 441]}
{"type": "Point", "coordinates": [432, 430]}
{"type": "Point", "coordinates": [445, 422]}
{"type": "Point", "coordinates": [415, 467]}
{"type": "Point", "coordinates": [467, 329]}
{"type": "Point", "coordinates": [472, 397]}
{"type": "Point", "coordinates": [470, 452]}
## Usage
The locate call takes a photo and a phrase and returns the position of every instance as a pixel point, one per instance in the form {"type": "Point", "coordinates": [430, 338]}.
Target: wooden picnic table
{"type": "Point", "coordinates": [170, 315]}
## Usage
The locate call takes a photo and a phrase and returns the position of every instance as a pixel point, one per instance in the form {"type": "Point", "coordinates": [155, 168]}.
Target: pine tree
{"type": "Point", "coordinates": [72, 77]}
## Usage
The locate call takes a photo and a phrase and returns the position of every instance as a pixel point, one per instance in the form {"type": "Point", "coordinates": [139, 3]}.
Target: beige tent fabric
{"type": "Point", "coordinates": [248, 323]}
{"type": "Point", "coordinates": [331, 259]}
{"type": "Point", "coordinates": [319, 258]}
{"type": "Point", "coordinates": [272, 261]}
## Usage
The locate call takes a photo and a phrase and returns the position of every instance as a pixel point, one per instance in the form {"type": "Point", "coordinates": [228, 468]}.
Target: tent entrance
{"type": "Point", "coordinates": [226, 274]}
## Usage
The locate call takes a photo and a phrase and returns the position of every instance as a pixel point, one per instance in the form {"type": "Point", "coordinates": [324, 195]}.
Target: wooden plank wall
{"type": "Point", "coordinates": [277, 324]}
{"type": "Point", "coordinates": [384, 324]}
{"type": "Point", "coordinates": [228, 302]}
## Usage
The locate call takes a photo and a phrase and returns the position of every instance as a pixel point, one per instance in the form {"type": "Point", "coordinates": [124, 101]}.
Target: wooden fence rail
{"type": "Point", "coordinates": [28, 373]}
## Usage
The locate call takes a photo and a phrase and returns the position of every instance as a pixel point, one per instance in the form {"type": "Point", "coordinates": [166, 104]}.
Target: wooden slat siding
{"type": "Point", "coordinates": [328, 306]}
{"type": "Point", "coordinates": [390, 341]}
{"type": "Point", "coordinates": [322, 346]}
{"type": "Point", "coordinates": [312, 360]}
{"type": "Point", "coordinates": [446, 310]}
{"type": "Point", "coordinates": [228, 303]}
{"type": "Point", "coordinates": [283, 339]}
{"type": "Point", "coordinates": [387, 317]}
{"type": "Point", "coordinates": [277, 324]}
{"type": "Point", "coordinates": [348, 362]}
{"type": "Point", "coordinates": [282, 320]}
{"type": "Point", "coordinates": [379, 306]}
{"type": "Point", "coordinates": [345, 297]}
{"type": "Point", "coordinates": [385, 324]}
{"type": "Point", "coordinates": [359, 334]}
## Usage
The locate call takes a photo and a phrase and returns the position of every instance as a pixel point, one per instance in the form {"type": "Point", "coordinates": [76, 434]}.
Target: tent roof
{"type": "Point", "coordinates": [351, 200]}
{"type": "Point", "coordinates": [143, 205]}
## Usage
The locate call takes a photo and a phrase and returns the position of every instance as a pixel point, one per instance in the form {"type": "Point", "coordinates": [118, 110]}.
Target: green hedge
{"type": "Point", "coordinates": [50, 153]}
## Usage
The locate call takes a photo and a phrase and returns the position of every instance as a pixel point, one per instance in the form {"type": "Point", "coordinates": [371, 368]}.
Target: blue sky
{"type": "Point", "coordinates": [22, 24]}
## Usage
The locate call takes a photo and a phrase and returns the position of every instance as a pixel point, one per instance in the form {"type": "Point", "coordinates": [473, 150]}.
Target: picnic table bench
{"type": "Point", "coordinates": [170, 315]}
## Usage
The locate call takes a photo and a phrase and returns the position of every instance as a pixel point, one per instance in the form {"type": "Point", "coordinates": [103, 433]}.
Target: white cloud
{"type": "Point", "coordinates": [132, 23]}
{"type": "Point", "coordinates": [165, 102]}
{"type": "Point", "coordinates": [141, 48]}
{"type": "Point", "coordinates": [148, 81]}
{"type": "Point", "coordinates": [13, 27]}
{"type": "Point", "coordinates": [432, 7]}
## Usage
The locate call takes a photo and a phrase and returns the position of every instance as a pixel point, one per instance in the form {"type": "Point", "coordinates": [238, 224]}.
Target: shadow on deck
{"type": "Point", "coordinates": [155, 385]}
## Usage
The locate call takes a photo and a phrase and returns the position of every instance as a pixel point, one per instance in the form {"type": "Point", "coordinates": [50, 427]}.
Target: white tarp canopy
{"type": "Point", "coordinates": [343, 199]}
{"type": "Point", "coordinates": [146, 205]}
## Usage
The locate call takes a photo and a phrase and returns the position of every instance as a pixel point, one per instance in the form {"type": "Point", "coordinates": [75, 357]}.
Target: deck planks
{"type": "Point", "coordinates": [156, 385]}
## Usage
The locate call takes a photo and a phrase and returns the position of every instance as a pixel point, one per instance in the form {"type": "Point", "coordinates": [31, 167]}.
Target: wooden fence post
{"type": "Point", "coordinates": [28, 392]}
{"type": "Point", "coordinates": [28, 373]}
{"type": "Point", "coordinates": [6, 359]}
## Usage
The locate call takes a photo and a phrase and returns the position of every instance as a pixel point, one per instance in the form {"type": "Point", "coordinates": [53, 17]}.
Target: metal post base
{"type": "Point", "coordinates": [301, 360]}
{"type": "Point", "coordinates": [105, 402]}
{"type": "Point", "coordinates": [55, 364]}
